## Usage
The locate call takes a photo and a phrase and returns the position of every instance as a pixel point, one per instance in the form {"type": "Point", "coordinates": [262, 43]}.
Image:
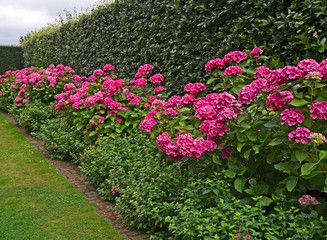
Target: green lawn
{"type": "Point", "coordinates": [38, 203]}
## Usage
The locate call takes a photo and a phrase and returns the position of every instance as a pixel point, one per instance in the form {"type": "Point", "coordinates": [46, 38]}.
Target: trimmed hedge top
{"type": "Point", "coordinates": [178, 37]}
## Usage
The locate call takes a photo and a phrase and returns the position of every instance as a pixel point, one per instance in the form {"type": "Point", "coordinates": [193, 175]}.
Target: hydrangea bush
{"type": "Point", "coordinates": [266, 128]}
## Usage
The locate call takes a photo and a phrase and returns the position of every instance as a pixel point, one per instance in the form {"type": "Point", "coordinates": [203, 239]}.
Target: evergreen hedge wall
{"type": "Point", "coordinates": [179, 36]}
{"type": "Point", "coordinates": [11, 58]}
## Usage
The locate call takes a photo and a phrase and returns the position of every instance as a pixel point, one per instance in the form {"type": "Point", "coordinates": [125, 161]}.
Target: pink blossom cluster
{"type": "Point", "coordinates": [291, 117]}
{"type": "Point", "coordinates": [150, 121]}
{"type": "Point", "coordinates": [158, 89]}
{"type": "Point", "coordinates": [157, 78]}
{"type": "Point", "coordinates": [307, 200]}
{"type": "Point", "coordinates": [290, 72]}
{"type": "Point", "coordinates": [143, 70]}
{"type": "Point", "coordinates": [214, 63]}
{"type": "Point", "coordinates": [255, 52]}
{"type": "Point", "coordinates": [236, 56]}
{"type": "Point", "coordinates": [233, 70]}
{"type": "Point", "coordinates": [279, 100]}
{"type": "Point", "coordinates": [249, 92]}
{"type": "Point", "coordinates": [184, 146]}
{"type": "Point", "coordinates": [319, 110]}
{"type": "Point", "coordinates": [194, 88]}
{"type": "Point", "coordinates": [301, 135]}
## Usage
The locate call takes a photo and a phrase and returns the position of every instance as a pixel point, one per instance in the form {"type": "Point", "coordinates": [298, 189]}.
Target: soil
{"type": "Point", "coordinates": [73, 174]}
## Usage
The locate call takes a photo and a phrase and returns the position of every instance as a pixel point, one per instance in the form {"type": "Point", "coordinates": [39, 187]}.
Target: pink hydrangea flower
{"type": "Point", "coordinates": [98, 72]}
{"type": "Point", "coordinates": [233, 70]}
{"type": "Point", "coordinates": [69, 87]}
{"type": "Point", "coordinates": [279, 100]}
{"type": "Point", "coordinates": [141, 82]}
{"type": "Point", "coordinates": [163, 141]}
{"type": "Point", "coordinates": [108, 67]}
{"type": "Point", "coordinates": [307, 200]}
{"type": "Point", "coordinates": [308, 65]}
{"type": "Point", "coordinates": [236, 56]}
{"type": "Point", "coordinates": [194, 88]}
{"type": "Point", "coordinates": [136, 100]}
{"type": "Point", "coordinates": [291, 117]}
{"type": "Point", "coordinates": [214, 63]}
{"type": "Point", "coordinates": [170, 112]}
{"type": "Point", "coordinates": [261, 72]}
{"type": "Point", "coordinates": [290, 72]}
{"type": "Point", "coordinates": [225, 152]}
{"type": "Point", "coordinates": [158, 89]}
{"type": "Point", "coordinates": [255, 52]}
{"type": "Point", "coordinates": [188, 99]}
{"type": "Point", "coordinates": [319, 110]}
{"type": "Point", "coordinates": [301, 135]}
{"type": "Point", "coordinates": [157, 78]}
{"type": "Point", "coordinates": [248, 93]}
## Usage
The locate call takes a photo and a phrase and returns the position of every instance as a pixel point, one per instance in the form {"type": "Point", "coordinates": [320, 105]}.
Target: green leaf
{"type": "Point", "coordinates": [319, 85]}
{"type": "Point", "coordinates": [239, 184]}
{"type": "Point", "coordinates": [298, 102]}
{"type": "Point", "coordinates": [307, 168]}
{"type": "Point", "coordinates": [264, 201]}
{"type": "Point", "coordinates": [301, 155]}
{"type": "Point", "coordinates": [184, 109]}
{"type": "Point", "coordinates": [211, 80]}
{"type": "Point", "coordinates": [275, 142]}
{"type": "Point", "coordinates": [230, 173]}
{"type": "Point", "coordinates": [322, 154]}
{"type": "Point", "coordinates": [240, 146]}
{"type": "Point", "coordinates": [247, 153]}
{"type": "Point", "coordinates": [291, 183]}
{"type": "Point", "coordinates": [271, 124]}
{"type": "Point", "coordinates": [216, 160]}
{"type": "Point", "coordinates": [251, 135]}
{"type": "Point", "coordinates": [282, 167]}
{"type": "Point", "coordinates": [240, 137]}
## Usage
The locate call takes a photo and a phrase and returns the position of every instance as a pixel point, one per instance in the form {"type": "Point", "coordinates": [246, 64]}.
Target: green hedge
{"type": "Point", "coordinates": [178, 37]}
{"type": "Point", "coordinates": [11, 58]}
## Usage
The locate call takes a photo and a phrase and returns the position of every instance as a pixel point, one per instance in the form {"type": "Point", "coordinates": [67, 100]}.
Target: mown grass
{"type": "Point", "coordinates": [38, 203]}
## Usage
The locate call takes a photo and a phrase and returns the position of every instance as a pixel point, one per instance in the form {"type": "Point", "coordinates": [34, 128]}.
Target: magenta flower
{"type": "Point", "coordinates": [136, 100]}
{"type": "Point", "coordinates": [319, 110]}
{"type": "Point", "coordinates": [307, 200]}
{"type": "Point", "coordinates": [158, 89]}
{"type": "Point", "coordinates": [233, 70]}
{"type": "Point", "coordinates": [290, 72]}
{"type": "Point", "coordinates": [214, 63]}
{"type": "Point", "coordinates": [108, 67]}
{"type": "Point", "coordinates": [279, 100]}
{"type": "Point", "coordinates": [236, 56]}
{"type": "Point", "coordinates": [301, 135]}
{"type": "Point", "coordinates": [157, 78]}
{"type": "Point", "coordinates": [291, 116]}
{"type": "Point", "coordinates": [194, 88]}
{"type": "Point", "coordinates": [255, 52]}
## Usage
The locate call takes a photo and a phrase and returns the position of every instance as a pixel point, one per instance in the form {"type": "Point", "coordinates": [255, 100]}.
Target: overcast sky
{"type": "Point", "coordinates": [18, 17]}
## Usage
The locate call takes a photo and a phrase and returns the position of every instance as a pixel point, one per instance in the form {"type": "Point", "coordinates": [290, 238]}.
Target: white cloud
{"type": "Point", "coordinates": [18, 17]}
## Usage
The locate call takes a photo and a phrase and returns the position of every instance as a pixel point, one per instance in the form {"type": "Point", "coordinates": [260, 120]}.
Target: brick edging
{"type": "Point", "coordinates": [74, 175]}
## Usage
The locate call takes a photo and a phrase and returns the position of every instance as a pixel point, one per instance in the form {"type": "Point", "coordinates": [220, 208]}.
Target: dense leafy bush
{"type": "Point", "coordinates": [11, 58]}
{"type": "Point", "coordinates": [32, 115]}
{"type": "Point", "coordinates": [178, 37]}
{"type": "Point", "coordinates": [62, 140]}
{"type": "Point", "coordinates": [170, 203]}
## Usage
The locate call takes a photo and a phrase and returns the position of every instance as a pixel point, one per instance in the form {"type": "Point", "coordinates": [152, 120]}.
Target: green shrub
{"type": "Point", "coordinates": [32, 115]}
{"type": "Point", "coordinates": [62, 140]}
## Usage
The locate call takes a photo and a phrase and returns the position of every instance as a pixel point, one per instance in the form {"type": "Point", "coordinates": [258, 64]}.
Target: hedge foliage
{"type": "Point", "coordinates": [11, 58]}
{"type": "Point", "coordinates": [178, 37]}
